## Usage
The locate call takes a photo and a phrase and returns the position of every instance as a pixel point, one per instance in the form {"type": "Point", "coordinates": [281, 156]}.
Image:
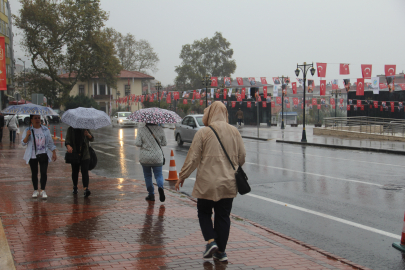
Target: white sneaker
{"type": "Point", "coordinates": [43, 194]}
{"type": "Point", "coordinates": [35, 194]}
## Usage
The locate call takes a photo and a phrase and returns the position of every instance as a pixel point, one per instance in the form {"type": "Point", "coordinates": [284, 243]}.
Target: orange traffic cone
{"type": "Point", "coordinates": [172, 170]}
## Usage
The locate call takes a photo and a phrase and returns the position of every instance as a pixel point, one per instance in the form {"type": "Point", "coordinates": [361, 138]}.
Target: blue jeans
{"type": "Point", "coordinates": [147, 173]}
{"type": "Point", "coordinates": [12, 135]}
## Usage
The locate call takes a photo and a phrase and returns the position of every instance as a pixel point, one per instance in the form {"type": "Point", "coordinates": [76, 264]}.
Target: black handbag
{"type": "Point", "coordinates": [93, 158]}
{"type": "Point", "coordinates": [72, 158]}
{"type": "Point", "coordinates": [240, 176]}
{"type": "Point", "coordinates": [164, 159]}
{"type": "Point", "coordinates": [42, 158]}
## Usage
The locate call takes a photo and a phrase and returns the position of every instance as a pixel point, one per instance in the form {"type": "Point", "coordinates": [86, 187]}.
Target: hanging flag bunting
{"type": "Point", "coordinates": [383, 85]}
{"type": "Point", "coordinates": [390, 70]}
{"type": "Point", "coordinates": [360, 87]}
{"type": "Point", "coordinates": [341, 101]}
{"type": "Point", "coordinates": [381, 108]}
{"type": "Point", "coordinates": [201, 102]}
{"type": "Point", "coordinates": [264, 105]}
{"type": "Point", "coordinates": [335, 85]}
{"type": "Point", "coordinates": [263, 80]}
{"type": "Point", "coordinates": [217, 95]}
{"type": "Point", "coordinates": [300, 81]}
{"type": "Point", "coordinates": [344, 69]}
{"type": "Point", "coordinates": [249, 104]}
{"type": "Point", "coordinates": [321, 67]}
{"type": "Point", "coordinates": [362, 107]}
{"type": "Point", "coordinates": [319, 106]}
{"type": "Point", "coordinates": [224, 93]}
{"type": "Point", "coordinates": [392, 106]}
{"type": "Point", "coordinates": [275, 90]}
{"type": "Point", "coordinates": [239, 80]}
{"type": "Point", "coordinates": [252, 81]}
{"type": "Point", "coordinates": [346, 83]}
{"type": "Point", "coordinates": [322, 87]}
{"type": "Point", "coordinates": [233, 104]}
{"type": "Point", "coordinates": [150, 98]}
{"type": "Point", "coordinates": [311, 86]}
{"type": "Point", "coordinates": [276, 80]}
{"type": "Point", "coordinates": [197, 95]}
{"type": "Point", "coordinates": [243, 93]}
{"type": "Point", "coordinates": [294, 87]}
{"type": "Point", "coordinates": [239, 97]}
{"type": "Point", "coordinates": [332, 101]}
{"type": "Point", "coordinates": [265, 91]}
{"type": "Point", "coordinates": [273, 104]}
{"type": "Point", "coordinates": [288, 105]}
{"type": "Point", "coordinates": [366, 71]}
{"type": "Point", "coordinates": [227, 81]}
{"type": "Point", "coordinates": [295, 101]}
{"type": "Point", "coordinates": [230, 92]}
{"type": "Point", "coordinates": [278, 100]}
{"type": "Point", "coordinates": [375, 104]}
{"type": "Point", "coordinates": [214, 81]}
{"type": "Point", "coordinates": [184, 101]}
{"type": "Point", "coordinates": [358, 103]}
{"type": "Point", "coordinates": [400, 106]}
{"type": "Point", "coordinates": [314, 101]}
{"type": "Point", "coordinates": [390, 83]}
{"type": "Point", "coordinates": [375, 85]}
{"type": "Point", "coordinates": [168, 99]}
{"type": "Point", "coordinates": [348, 107]}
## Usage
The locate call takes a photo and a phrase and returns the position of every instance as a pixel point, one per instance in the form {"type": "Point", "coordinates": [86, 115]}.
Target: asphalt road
{"type": "Point", "coordinates": [349, 203]}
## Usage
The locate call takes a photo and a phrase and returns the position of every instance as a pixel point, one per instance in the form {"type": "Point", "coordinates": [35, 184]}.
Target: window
{"type": "Point", "coordinates": [2, 6]}
{"type": "Point", "coordinates": [127, 90]}
{"type": "Point", "coordinates": [185, 121]}
{"type": "Point", "coordinates": [7, 30]}
{"type": "Point", "coordinates": [6, 10]}
{"type": "Point", "coordinates": [101, 87]}
{"type": "Point", "coordinates": [8, 50]}
{"type": "Point", "coordinates": [81, 89]}
{"type": "Point", "coordinates": [200, 122]}
{"type": "Point", "coordinates": [8, 71]}
{"type": "Point", "coordinates": [191, 122]}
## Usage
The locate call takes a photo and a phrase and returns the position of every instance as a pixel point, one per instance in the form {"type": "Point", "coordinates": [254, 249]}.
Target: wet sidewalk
{"type": "Point", "coordinates": [115, 228]}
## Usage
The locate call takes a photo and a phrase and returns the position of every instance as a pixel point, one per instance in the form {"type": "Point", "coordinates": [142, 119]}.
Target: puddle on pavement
{"type": "Point", "coordinates": [393, 187]}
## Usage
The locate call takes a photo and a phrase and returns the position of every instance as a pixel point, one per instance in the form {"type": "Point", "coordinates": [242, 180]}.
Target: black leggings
{"type": "Point", "coordinates": [84, 166]}
{"type": "Point", "coordinates": [43, 167]}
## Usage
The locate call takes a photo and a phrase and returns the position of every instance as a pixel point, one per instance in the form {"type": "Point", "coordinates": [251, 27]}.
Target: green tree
{"type": "Point", "coordinates": [207, 56]}
{"type": "Point", "coordinates": [66, 36]}
{"type": "Point", "coordinates": [80, 101]}
{"type": "Point", "coordinates": [137, 55]}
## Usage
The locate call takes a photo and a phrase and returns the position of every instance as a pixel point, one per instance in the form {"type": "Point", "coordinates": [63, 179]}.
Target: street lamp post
{"type": "Point", "coordinates": [284, 80]}
{"type": "Point", "coordinates": [206, 81]}
{"type": "Point", "coordinates": [158, 87]}
{"type": "Point", "coordinates": [305, 67]}
{"type": "Point", "coordinates": [25, 92]}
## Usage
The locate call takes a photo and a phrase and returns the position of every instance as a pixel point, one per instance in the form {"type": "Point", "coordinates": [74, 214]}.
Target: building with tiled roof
{"type": "Point", "coordinates": [129, 83]}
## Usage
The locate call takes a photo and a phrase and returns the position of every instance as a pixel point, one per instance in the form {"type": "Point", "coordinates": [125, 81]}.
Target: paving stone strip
{"type": "Point", "coordinates": [115, 228]}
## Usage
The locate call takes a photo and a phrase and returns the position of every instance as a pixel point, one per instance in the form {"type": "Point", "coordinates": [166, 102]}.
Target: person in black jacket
{"type": "Point", "coordinates": [1, 126]}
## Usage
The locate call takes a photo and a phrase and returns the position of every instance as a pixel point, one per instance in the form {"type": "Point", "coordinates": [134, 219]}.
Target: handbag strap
{"type": "Point", "coordinates": [156, 140]}
{"type": "Point", "coordinates": [223, 148]}
{"type": "Point", "coordinates": [35, 144]}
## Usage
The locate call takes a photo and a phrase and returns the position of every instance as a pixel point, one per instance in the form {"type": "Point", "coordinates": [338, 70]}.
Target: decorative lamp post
{"type": "Point", "coordinates": [284, 80]}
{"type": "Point", "coordinates": [206, 81]}
{"type": "Point", "coordinates": [25, 92]}
{"type": "Point", "coordinates": [158, 86]}
{"type": "Point", "coordinates": [305, 67]}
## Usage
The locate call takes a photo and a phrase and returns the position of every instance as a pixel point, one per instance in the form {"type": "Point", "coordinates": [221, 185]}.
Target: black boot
{"type": "Point", "coordinates": [75, 190]}
{"type": "Point", "coordinates": [150, 197]}
{"type": "Point", "coordinates": [162, 196]}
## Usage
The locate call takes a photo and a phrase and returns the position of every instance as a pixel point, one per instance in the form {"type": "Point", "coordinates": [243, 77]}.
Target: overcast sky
{"type": "Point", "coordinates": [268, 37]}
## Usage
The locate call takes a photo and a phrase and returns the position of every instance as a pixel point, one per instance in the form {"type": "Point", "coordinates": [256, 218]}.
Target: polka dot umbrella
{"type": "Point", "coordinates": [155, 116]}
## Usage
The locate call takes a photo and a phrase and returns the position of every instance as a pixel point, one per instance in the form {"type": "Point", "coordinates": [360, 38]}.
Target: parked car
{"type": "Point", "coordinates": [186, 129]}
{"type": "Point", "coordinates": [121, 119]}
{"type": "Point", "coordinates": [22, 118]}
{"type": "Point", "coordinates": [53, 118]}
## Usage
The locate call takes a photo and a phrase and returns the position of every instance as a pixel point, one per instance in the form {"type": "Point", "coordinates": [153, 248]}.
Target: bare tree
{"type": "Point", "coordinates": [137, 55]}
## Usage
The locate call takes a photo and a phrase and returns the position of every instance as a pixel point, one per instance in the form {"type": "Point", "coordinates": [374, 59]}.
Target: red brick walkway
{"type": "Point", "coordinates": [116, 228]}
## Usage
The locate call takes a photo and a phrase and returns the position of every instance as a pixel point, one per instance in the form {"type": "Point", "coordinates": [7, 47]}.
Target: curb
{"type": "Point", "coordinates": [256, 138]}
{"type": "Point", "coordinates": [323, 252]}
{"type": "Point", "coordinates": [387, 151]}
{"type": "Point", "coordinates": [6, 259]}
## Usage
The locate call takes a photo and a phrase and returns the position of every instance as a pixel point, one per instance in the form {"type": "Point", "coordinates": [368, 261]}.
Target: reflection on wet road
{"type": "Point", "coordinates": [349, 203]}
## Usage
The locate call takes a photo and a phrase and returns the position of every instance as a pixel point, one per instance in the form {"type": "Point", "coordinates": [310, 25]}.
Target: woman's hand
{"type": "Point", "coordinates": [69, 149]}
{"type": "Point", "coordinates": [87, 134]}
{"type": "Point", "coordinates": [179, 184]}
{"type": "Point", "coordinates": [54, 157]}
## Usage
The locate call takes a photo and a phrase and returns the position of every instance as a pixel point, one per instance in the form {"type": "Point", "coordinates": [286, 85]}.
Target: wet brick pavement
{"type": "Point", "coordinates": [115, 228]}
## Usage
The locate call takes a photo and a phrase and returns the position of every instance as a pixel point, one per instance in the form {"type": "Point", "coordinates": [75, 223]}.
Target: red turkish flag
{"type": "Point", "coordinates": [383, 85]}
{"type": "Point", "coordinates": [263, 80]}
{"type": "Point", "coordinates": [168, 98]}
{"type": "Point", "coordinates": [321, 67]}
{"type": "Point", "coordinates": [177, 95]}
{"type": "Point", "coordinates": [217, 95]}
{"type": "Point", "coordinates": [243, 93]}
{"type": "Point", "coordinates": [197, 95]}
{"type": "Point", "coordinates": [239, 80]}
{"type": "Point", "coordinates": [341, 101]}
{"type": "Point", "coordinates": [288, 105]}
{"type": "Point", "coordinates": [265, 91]}
{"type": "Point", "coordinates": [333, 106]}
{"type": "Point", "coordinates": [224, 93]}
{"type": "Point", "coordinates": [390, 70]}
{"type": "Point", "coordinates": [344, 69]}
{"type": "Point", "coordinates": [322, 87]}
{"type": "Point", "coordinates": [402, 86]}
{"type": "Point", "coordinates": [273, 104]}
{"type": "Point", "coordinates": [314, 101]}
{"type": "Point", "coordinates": [360, 87]}
{"type": "Point", "coordinates": [332, 101]}
{"type": "Point", "coordinates": [233, 104]}
{"type": "Point", "coordinates": [381, 108]}
{"type": "Point", "coordinates": [371, 106]}
{"type": "Point", "coordinates": [259, 98]}
{"type": "Point", "coordinates": [358, 103]}
{"type": "Point", "coordinates": [295, 101]}
{"type": "Point", "coordinates": [249, 104]}
{"type": "Point", "coordinates": [214, 81]}
{"type": "Point", "coordinates": [294, 87]}
{"type": "Point", "coordinates": [239, 97]}
{"type": "Point", "coordinates": [366, 71]}
{"type": "Point", "coordinates": [3, 66]}
{"type": "Point", "coordinates": [194, 92]}
{"type": "Point", "coordinates": [278, 100]}
{"type": "Point", "coordinates": [375, 104]}
{"type": "Point", "coordinates": [201, 102]}
{"type": "Point", "coordinates": [302, 106]}
{"type": "Point", "coordinates": [142, 99]}
{"type": "Point", "coordinates": [348, 107]}
{"type": "Point", "coordinates": [319, 106]}
{"type": "Point", "coordinates": [150, 98]}
{"type": "Point", "coordinates": [392, 107]}
{"type": "Point", "coordinates": [362, 107]}
{"type": "Point", "coordinates": [184, 101]}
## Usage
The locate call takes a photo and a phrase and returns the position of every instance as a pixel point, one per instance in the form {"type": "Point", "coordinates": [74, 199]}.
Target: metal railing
{"type": "Point", "coordinates": [365, 124]}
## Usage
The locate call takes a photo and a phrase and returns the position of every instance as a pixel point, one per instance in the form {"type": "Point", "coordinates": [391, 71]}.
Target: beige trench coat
{"type": "Point", "coordinates": [215, 177]}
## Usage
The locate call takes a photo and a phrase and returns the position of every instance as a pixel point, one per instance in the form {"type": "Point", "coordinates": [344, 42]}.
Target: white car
{"type": "Point", "coordinates": [22, 118]}
{"type": "Point", "coordinates": [121, 119]}
{"type": "Point", "coordinates": [186, 129]}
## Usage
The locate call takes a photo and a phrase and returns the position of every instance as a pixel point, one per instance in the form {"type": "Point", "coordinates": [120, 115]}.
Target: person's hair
{"type": "Point", "coordinates": [32, 116]}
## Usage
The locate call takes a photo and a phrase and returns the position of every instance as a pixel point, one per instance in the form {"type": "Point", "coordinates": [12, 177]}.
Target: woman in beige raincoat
{"type": "Point", "coordinates": [215, 185]}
